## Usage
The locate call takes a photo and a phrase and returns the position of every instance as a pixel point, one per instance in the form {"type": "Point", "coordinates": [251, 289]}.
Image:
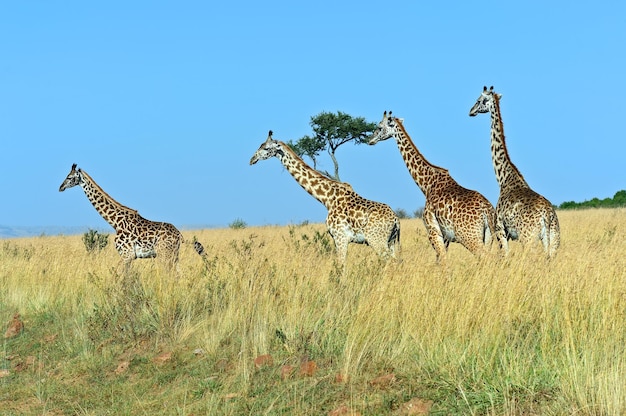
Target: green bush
{"type": "Point", "coordinates": [238, 224]}
{"type": "Point", "coordinates": [94, 241]}
{"type": "Point", "coordinates": [618, 200]}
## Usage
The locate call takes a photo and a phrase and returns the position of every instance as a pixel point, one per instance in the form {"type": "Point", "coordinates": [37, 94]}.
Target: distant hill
{"type": "Point", "coordinates": [33, 231]}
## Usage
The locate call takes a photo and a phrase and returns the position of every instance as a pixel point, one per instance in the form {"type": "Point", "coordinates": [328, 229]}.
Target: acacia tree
{"type": "Point", "coordinates": [331, 131]}
{"type": "Point", "coordinates": [308, 146]}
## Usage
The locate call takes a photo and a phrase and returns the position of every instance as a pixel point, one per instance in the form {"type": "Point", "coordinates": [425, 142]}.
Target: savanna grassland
{"type": "Point", "coordinates": [268, 324]}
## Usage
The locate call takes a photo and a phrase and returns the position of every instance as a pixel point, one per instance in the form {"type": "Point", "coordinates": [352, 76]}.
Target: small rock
{"type": "Point", "coordinates": [343, 410]}
{"type": "Point", "coordinates": [263, 360]}
{"type": "Point", "coordinates": [16, 326]}
{"type": "Point", "coordinates": [308, 368]}
{"type": "Point", "coordinates": [286, 371]}
{"type": "Point", "coordinates": [122, 367]}
{"type": "Point", "coordinates": [415, 406]}
{"type": "Point", "coordinates": [222, 364]}
{"type": "Point", "coordinates": [162, 358]}
{"type": "Point", "coordinates": [384, 381]}
{"type": "Point", "coordinates": [341, 378]}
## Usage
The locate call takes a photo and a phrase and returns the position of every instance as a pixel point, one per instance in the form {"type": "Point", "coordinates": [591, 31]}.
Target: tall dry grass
{"type": "Point", "coordinates": [515, 335]}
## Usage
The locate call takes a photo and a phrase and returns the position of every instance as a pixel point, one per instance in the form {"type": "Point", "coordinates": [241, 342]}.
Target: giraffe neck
{"type": "Point", "coordinates": [316, 184]}
{"type": "Point", "coordinates": [506, 173]}
{"type": "Point", "coordinates": [112, 211]}
{"type": "Point", "coordinates": [425, 174]}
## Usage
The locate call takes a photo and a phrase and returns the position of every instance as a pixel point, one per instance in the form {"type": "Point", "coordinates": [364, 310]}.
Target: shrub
{"type": "Point", "coordinates": [238, 224]}
{"type": "Point", "coordinates": [402, 214]}
{"type": "Point", "coordinates": [95, 241]}
{"type": "Point", "coordinates": [418, 213]}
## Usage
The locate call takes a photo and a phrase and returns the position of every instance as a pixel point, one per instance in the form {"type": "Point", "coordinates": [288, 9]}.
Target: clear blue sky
{"type": "Point", "coordinates": [164, 103]}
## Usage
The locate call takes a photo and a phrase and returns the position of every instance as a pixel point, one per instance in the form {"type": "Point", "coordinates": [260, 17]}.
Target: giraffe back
{"type": "Point", "coordinates": [364, 221]}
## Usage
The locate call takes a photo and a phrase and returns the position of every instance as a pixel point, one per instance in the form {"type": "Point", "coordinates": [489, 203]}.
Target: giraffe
{"type": "Point", "coordinates": [351, 218]}
{"type": "Point", "coordinates": [521, 213]}
{"type": "Point", "coordinates": [452, 213]}
{"type": "Point", "coordinates": [135, 236]}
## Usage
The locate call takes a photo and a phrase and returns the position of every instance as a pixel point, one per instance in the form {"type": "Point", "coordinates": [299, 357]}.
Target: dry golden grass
{"type": "Point", "coordinates": [515, 335]}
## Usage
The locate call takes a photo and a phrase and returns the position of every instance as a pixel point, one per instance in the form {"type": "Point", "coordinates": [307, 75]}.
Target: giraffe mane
{"type": "Point", "coordinates": [95, 184]}
{"type": "Point", "coordinates": [400, 123]}
{"type": "Point", "coordinates": [496, 103]}
{"type": "Point", "coordinates": [294, 155]}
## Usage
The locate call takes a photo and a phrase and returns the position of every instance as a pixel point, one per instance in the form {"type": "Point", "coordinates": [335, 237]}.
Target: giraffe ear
{"type": "Point", "coordinates": [401, 120]}
{"type": "Point", "coordinates": [499, 96]}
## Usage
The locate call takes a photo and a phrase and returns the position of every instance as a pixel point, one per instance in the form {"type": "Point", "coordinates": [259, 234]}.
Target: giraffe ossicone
{"type": "Point", "coordinates": [452, 213]}
{"type": "Point", "coordinates": [521, 213]}
{"type": "Point", "coordinates": [351, 218]}
{"type": "Point", "coordinates": [135, 236]}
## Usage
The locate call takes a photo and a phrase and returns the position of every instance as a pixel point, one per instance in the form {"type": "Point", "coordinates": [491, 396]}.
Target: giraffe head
{"type": "Point", "coordinates": [387, 128]}
{"type": "Point", "coordinates": [485, 102]}
{"type": "Point", "coordinates": [75, 177]}
{"type": "Point", "coordinates": [269, 148]}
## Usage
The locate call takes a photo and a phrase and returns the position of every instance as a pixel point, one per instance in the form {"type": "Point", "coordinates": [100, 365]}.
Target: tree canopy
{"type": "Point", "coordinates": [332, 130]}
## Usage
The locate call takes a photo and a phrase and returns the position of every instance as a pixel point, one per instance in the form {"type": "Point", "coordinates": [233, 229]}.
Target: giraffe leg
{"type": "Point", "coordinates": [392, 240]}
{"type": "Point", "coordinates": [487, 236]}
{"type": "Point", "coordinates": [126, 253]}
{"type": "Point", "coordinates": [336, 230]}
{"type": "Point", "coordinates": [501, 236]}
{"type": "Point", "coordinates": [550, 236]}
{"type": "Point", "coordinates": [489, 225]}
{"type": "Point", "coordinates": [555, 236]}
{"type": "Point", "coordinates": [342, 249]}
{"type": "Point", "coordinates": [124, 264]}
{"type": "Point", "coordinates": [476, 236]}
{"type": "Point", "coordinates": [381, 248]}
{"type": "Point", "coordinates": [434, 234]}
{"type": "Point", "coordinates": [492, 229]}
{"type": "Point", "coordinates": [395, 250]}
{"type": "Point", "coordinates": [473, 243]}
{"type": "Point", "coordinates": [544, 236]}
{"type": "Point", "coordinates": [171, 262]}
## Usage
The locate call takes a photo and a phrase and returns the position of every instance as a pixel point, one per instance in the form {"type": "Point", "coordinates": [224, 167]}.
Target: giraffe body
{"type": "Point", "coordinates": [452, 213]}
{"type": "Point", "coordinates": [521, 213]}
{"type": "Point", "coordinates": [135, 236]}
{"type": "Point", "coordinates": [351, 218]}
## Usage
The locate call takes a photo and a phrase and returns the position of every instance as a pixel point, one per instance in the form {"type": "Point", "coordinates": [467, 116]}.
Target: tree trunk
{"type": "Point", "coordinates": [332, 156]}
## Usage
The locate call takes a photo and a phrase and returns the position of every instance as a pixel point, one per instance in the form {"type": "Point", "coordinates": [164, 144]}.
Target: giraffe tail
{"type": "Point", "coordinates": [198, 247]}
{"type": "Point", "coordinates": [489, 227]}
{"type": "Point", "coordinates": [394, 238]}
